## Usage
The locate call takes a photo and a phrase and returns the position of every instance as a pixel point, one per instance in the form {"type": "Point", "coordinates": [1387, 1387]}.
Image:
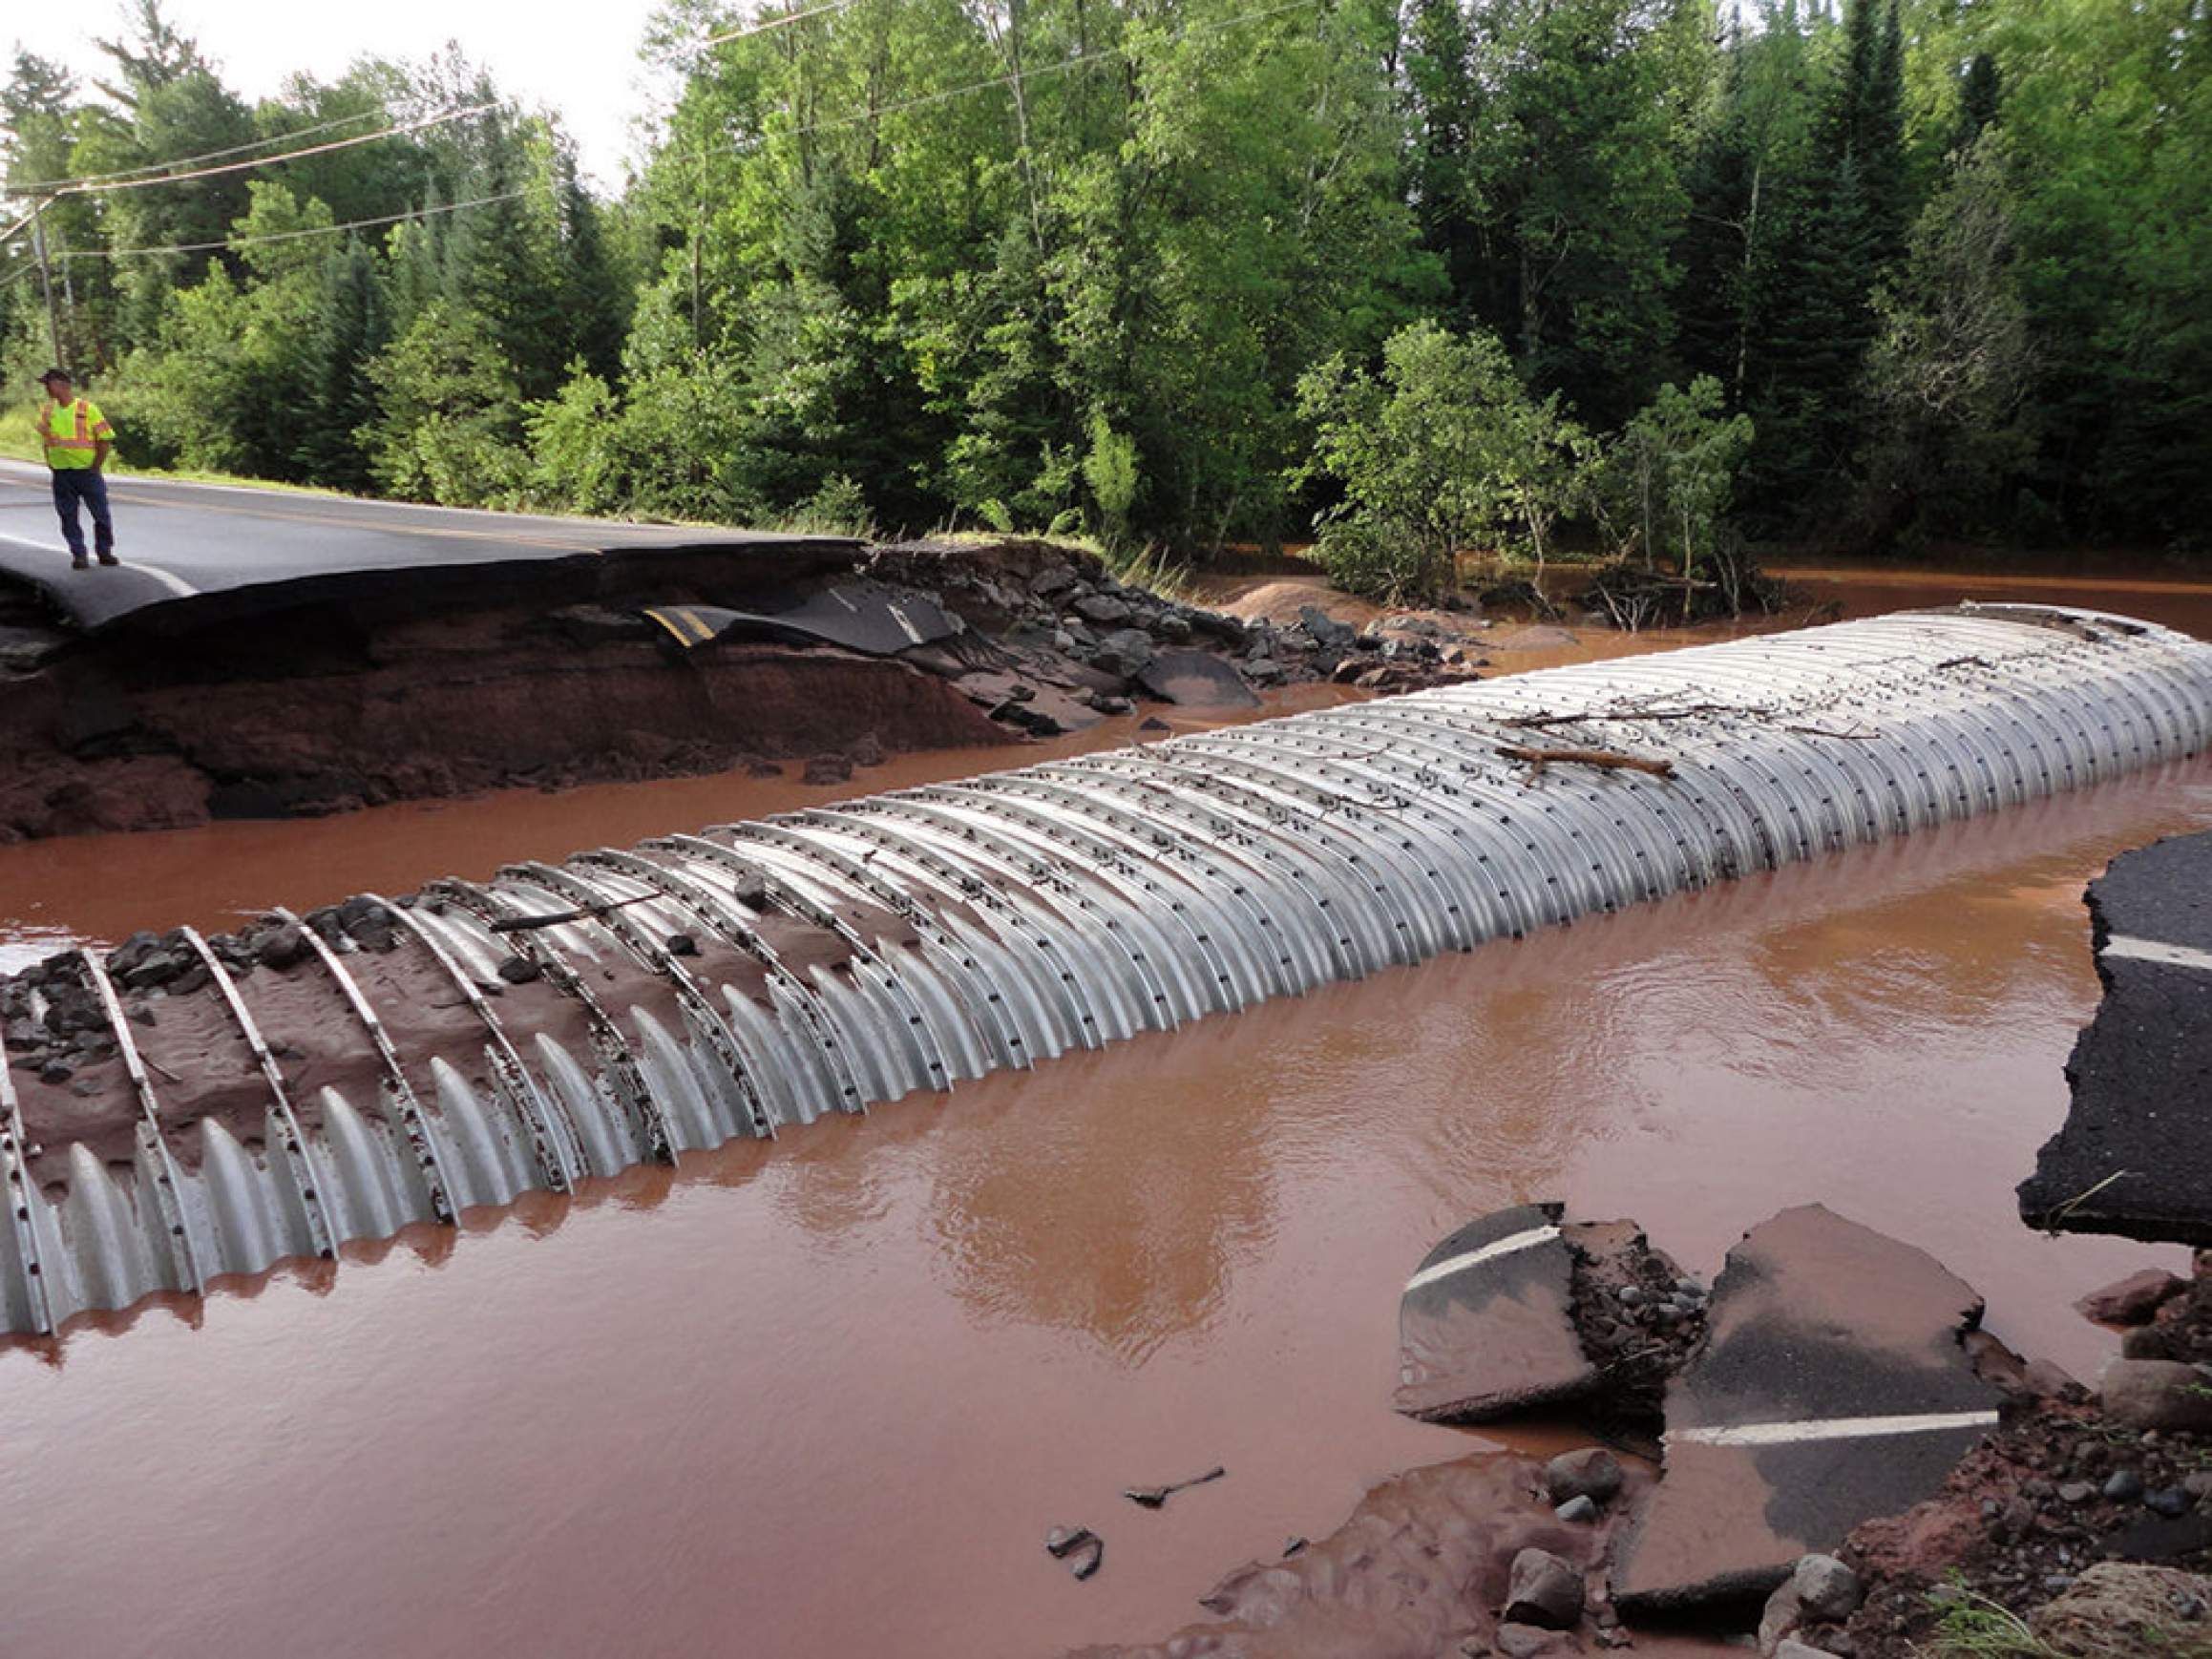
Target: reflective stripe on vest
{"type": "Point", "coordinates": [83, 440]}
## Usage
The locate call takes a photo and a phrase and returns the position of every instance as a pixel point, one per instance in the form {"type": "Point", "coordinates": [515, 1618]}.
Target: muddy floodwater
{"type": "Point", "coordinates": [824, 1397]}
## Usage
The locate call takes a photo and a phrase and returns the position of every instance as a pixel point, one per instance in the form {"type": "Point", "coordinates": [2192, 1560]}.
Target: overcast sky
{"type": "Point", "coordinates": [581, 59]}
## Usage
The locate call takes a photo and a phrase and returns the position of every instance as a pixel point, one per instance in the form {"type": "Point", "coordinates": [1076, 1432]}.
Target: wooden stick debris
{"type": "Point", "coordinates": [1612, 758]}
{"type": "Point", "coordinates": [1153, 1497]}
{"type": "Point", "coordinates": [554, 919]}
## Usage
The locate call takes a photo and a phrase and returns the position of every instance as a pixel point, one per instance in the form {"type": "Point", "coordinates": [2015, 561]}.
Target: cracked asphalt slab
{"type": "Point", "coordinates": [194, 552]}
{"type": "Point", "coordinates": [2134, 1154]}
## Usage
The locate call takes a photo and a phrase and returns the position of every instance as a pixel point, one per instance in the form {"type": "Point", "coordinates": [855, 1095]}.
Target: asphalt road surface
{"type": "Point", "coordinates": [201, 548]}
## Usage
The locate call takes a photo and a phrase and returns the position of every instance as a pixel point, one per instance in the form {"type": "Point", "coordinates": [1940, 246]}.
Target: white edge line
{"type": "Point", "coordinates": [2153, 950]}
{"type": "Point", "coordinates": [1827, 1429]}
{"type": "Point", "coordinates": [1505, 1247]}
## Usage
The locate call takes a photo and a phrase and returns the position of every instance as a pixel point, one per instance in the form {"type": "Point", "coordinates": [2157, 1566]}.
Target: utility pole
{"type": "Point", "coordinates": [46, 278]}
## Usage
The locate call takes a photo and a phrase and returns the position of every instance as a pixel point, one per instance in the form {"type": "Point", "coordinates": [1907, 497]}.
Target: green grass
{"type": "Point", "coordinates": [19, 441]}
{"type": "Point", "coordinates": [1972, 1626]}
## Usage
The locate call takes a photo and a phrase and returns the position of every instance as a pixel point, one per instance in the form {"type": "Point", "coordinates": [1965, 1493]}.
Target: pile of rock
{"type": "Point", "coordinates": [2085, 1521]}
{"type": "Point", "coordinates": [55, 1024]}
{"type": "Point", "coordinates": [1057, 640]}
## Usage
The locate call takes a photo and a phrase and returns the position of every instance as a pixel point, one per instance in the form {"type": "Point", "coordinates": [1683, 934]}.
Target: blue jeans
{"type": "Point", "coordinates": [83, 484]}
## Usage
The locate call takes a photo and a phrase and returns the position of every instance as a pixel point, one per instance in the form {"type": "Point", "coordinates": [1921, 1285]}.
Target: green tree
{"type": "Point", "coordinates": [1950, 372]}
{"type": "Point", "coordinates": [1443, 451]}
{"type": "Point", "coordinates": [448, 425]}
{"type": "Point", "coordinates": [1671, 477]}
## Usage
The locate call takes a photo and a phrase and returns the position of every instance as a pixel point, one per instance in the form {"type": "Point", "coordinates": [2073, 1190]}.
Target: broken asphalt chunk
{"type": "Point", "coordinates": [1485, 1325]}
{"type": "Point", "coordinates": [2133, 1157]}
{"type": "Point", "coordinates": [1520, 1310]}
{"type": "Point", "coordinates": [1835, 1387]}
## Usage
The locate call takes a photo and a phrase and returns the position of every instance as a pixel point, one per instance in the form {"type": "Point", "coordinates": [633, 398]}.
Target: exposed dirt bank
{"type": "Point", "coordinates": [2005, 1559]}
{"type": "Point", "coordinates": [326, 708]}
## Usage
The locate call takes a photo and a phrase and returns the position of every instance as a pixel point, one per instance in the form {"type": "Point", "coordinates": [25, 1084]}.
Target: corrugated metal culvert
{"type": "Point", "coordinates": [757, 975]}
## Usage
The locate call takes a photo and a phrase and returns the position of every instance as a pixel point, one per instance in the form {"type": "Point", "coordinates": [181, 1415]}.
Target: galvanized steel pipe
{"type": "Point", "coordinates": [758, 975]}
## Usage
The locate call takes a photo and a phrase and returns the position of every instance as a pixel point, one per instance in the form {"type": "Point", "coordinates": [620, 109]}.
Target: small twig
{"type": "Point", "coordinates": [1962, 662]}
{"type": "Point", "coordinates": [556, 918]}
{"type": "Point", "coordinates": [1685, 711]}
{"type": "Point", "coordinates": [1611, 759]}
{"type": "Point", "coordinates": [153, 1065]}
{"type": "Point", "coordinates": [1153, 1497]}
{"type": "Point", "coordinates": [2066, 1209]}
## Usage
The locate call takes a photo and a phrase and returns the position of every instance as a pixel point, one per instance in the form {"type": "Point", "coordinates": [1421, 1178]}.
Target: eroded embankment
{"type": "Point", "coordinates": [325, 707]}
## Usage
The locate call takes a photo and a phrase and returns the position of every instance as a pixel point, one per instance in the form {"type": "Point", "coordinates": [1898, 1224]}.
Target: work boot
{"type": "Point", "coordinates": [81, 563]}
{"type": "Point", "coordinates": [109, 558]}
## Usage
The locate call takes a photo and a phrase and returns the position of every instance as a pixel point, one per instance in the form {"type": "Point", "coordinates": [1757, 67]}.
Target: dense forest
{"type": "Point", "coordinates": [1436, 273]}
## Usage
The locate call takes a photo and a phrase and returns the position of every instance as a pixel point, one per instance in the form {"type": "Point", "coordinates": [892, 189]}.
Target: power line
{"type": "Point", "coordinates": [191, 160]}
{"type": "Point", "coordinates": [200, 247]}
{"type": "Point", "coordinates": [423, 125]}
{"type": "Point", "coordinates": [762, 28]}
{"type": "Point", "coordinates": [1082, 59]}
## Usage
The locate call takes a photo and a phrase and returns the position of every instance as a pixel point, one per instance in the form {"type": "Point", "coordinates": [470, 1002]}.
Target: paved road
{"type": "Point", "coordinates": [2134, 1154]}
{"type": "Point", "coordinates": [223, 547]}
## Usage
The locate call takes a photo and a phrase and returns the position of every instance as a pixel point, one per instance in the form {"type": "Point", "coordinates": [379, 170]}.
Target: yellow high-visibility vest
{"type": "Point", "coordinates": [73, 433]}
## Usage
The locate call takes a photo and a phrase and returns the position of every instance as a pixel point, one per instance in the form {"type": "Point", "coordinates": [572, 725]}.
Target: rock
{"type": "Point", "coordinates": [867, 750]}
{"type": "Point", "coordinates": [2116, 1608]}
{"type": "Point", "coordinates": [56, 1071]}
{"type": "Point", "coordinates": [1063, 1538]}
{"type": "Point", "coordinates": [1152, 722]}
{"type": "Point", "coordinates": [1781, 1615]}
{"type": "Point", "coordinates": [1325, 629]}
{"type": "Point", "coordinates": [1263, 670]}
{"type": "Point", "coordinates": [1086, 1557]}
{"type": "Point", "coordinates": [155, 968]}
{"type": "Point", "coordinates": [1790, 1648]}
{"type": "Point", "coordinates": [281, 946]}
{"type": "Point", "coordinates": [2132, 1300]}
{"type": "Point", "coordinates": [1173, 627]}
{"type": "Point", "coordinates": [1543, 1591]}
{"type": "Point", "coordinates": [2124, 1486]}
{"type": "Point", "coordinates": [1592, 1472]}
{"type": "Point", "coordinates": [1103, 610]}
{"type": "Point", "coordinates": [2076, 1493]}
{"type": "Point", "coordinates": [1577, 1511]}
{"type": "Point", "coordinates": [827, 769]}
{"type": "Point", "coordinates": [1052, 580]}
{"type": "Point", "coordinates": [1531, 1642]}
{"type": "Point", "coordinates": [2170, 1502]}
{"type": "Point", "coordinates": [1826, 1589]}
{"type": "Point", "coordinates": [1126, 652]}
{"type": "Point", "coordinates": [518, 970]}
{"type": "Point", "coordinates": [1195, 680]}
{"type": "Point", "coordinates": [2156, 1393]}
{"type": "Point", "coordinates": [681, 945]}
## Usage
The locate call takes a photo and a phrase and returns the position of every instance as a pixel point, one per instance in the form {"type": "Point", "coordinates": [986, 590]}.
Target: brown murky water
{"type": "Point", "coordinates": [824, 1397]}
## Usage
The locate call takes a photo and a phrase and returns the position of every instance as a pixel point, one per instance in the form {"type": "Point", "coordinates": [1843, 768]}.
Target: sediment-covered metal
{"type": "Point", "coordinates": [280, 1095]}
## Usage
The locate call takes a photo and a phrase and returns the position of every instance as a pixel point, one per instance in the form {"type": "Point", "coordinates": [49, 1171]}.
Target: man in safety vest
{"type": "Point", "coordinates": [78, 438]}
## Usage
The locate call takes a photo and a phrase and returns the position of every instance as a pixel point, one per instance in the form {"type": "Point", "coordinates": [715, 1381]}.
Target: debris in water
{"type": "Point", "coordinates": [1061, 1539]}
{"type": "Point", "coordinates": [1155, 1497]}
